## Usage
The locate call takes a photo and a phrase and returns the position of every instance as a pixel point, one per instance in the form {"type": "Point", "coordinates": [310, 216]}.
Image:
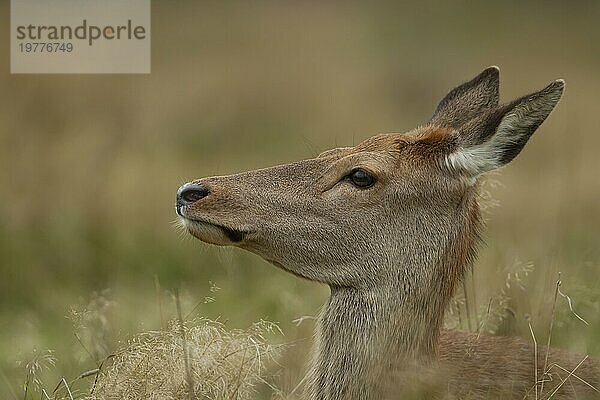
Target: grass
{"type": "Point", "coordinates": [193, 357]}
{"type": "Point", "coordinates": [192, 360]}
{"type": "Point", "coordinates": [550, 370]}
{"type": "Point", "coordinates": [188, 359]}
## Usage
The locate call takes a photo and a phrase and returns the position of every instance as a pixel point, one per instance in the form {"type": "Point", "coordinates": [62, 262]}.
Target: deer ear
{"type": "Point", "coordinates": [494, 138]}
{"type": "Point", "coordinates": [469, 99]}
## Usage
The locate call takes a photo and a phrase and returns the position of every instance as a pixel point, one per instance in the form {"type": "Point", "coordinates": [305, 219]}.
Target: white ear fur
{"type": "Point", "coordinates": [473, 161]}
{"type": "Point", "coordinates": [473, 157]}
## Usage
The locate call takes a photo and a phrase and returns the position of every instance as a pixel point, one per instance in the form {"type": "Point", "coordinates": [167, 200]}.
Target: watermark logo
{"type": "Point", "coordinates": [80, 36]}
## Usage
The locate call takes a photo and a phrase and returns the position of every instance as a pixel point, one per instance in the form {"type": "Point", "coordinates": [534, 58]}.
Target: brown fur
{"type": "Point", "coordinates": [391, 253]}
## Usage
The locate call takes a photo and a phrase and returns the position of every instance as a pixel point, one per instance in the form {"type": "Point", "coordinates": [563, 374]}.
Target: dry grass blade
{"type": "Point", "coordinates": [566, 378]}
{"type": "Point", "coordinates": [546, 375]}
{"type": "Point", "coordinates": [186, 357]}
{"type": "Point", "coordinates": [35, 367]}
{"type": "Point", "coordinates": [571, 307]}
{"type": "Point", "coordinates": [222, 364]}
{"type": "Point", "coordinates": [300, 320]}
{"type": "Point", "coordinates": [467, 304]}
{"type": "Point", "coordinates": [63, 382]}
{"type": "Point", "coordinates": [98, 373]}
{"type": "Point", "coordinates": [157, 290]}
{"type": "Point", "coordinates": [550, 331]}
{"type": "Point", "coordinates": [92, 372]}
{"type": "Point", "coordinates": [535, 355]}
{"type": "Point", "coordinates": [580, 379]}
{"type": "Point", "coordinates": [484, 319]}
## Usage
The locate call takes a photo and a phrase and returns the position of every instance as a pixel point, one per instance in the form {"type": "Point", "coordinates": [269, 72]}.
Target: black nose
{"type": "Point", "coordinates": [191, 193]}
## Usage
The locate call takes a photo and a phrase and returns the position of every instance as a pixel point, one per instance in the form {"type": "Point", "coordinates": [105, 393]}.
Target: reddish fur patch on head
{"type": "Point", "coordinates": [423, 142]}
{"type": "Point", "coordinates": [433, 141]}
{"type": "Point", "coordinates": [384, 142]}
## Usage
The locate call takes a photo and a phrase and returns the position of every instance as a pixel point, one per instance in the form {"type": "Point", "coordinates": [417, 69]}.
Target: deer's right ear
{"type": "Point", "coordinates": [494, 138]}
{"type": "Point", "coordinates": [469, 99]}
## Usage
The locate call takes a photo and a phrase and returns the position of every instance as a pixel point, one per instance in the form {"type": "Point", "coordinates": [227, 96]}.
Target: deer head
{"type": "Point", "coordinates": [389, 224]}
{"type": "Point", "coordinates": [364, 215]}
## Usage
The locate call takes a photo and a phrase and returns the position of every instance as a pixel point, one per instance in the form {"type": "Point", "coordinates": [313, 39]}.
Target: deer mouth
{"type": "Point", "coordinates": [212, 232]}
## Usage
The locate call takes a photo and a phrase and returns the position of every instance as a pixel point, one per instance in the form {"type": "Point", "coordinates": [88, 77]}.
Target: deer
{"type": "Point", "coordinates": [392, 225]}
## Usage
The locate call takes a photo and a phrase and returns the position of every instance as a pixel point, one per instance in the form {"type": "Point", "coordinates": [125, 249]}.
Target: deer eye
{"type": "Point", "coordinates": [361, 178]}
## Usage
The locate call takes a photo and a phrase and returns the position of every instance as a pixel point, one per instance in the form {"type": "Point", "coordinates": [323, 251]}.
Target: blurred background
{"type": "Point", "coordinates": [89, 166]}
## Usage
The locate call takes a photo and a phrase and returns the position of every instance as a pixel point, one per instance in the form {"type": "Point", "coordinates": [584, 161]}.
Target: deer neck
{"type": "Point", "coordinates": [364, 333]}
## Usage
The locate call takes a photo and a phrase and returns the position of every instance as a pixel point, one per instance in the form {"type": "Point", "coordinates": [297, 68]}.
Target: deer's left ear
{"type": "Point", "coordinates": [469, 99]}
{"type": "Point", "coordinates": [494, 138]}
